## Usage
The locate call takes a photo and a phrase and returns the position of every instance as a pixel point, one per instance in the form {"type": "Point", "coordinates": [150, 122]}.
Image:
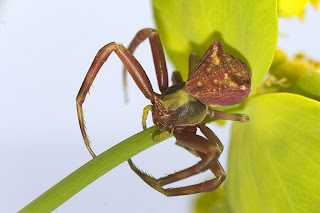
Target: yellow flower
{"type": "Point", "coordinates": [289, 8]}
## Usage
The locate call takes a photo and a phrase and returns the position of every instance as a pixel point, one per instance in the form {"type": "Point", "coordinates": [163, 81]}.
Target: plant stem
{"type": "Point", "coordinates": [95, 168]}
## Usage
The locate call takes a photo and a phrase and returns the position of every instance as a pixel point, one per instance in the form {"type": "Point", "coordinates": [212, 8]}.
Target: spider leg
{"type": "Point", "coordinates": [194, 60]}
{"type": "Point", "coordinates": [212, 184]}
{"type": "Point", "coordinates": [145, 115]}
{"type": "Point", "coordinates": [188, 138]}
{"type": "Point", "coordinates": [209, 152]}
{"type": "Point", "coordinates": [176, 77]}
{"type": "Point", "coordinates": [211, 137]}
{"type": "Point", "coordinates": [162, 135]}
{"type": "Point", "coordinates": [134, 68]}
{"type": "Point", "coordinates": [205, 186]}
{"type": "Point", "coordinates": [188, 149]}
{"type": "Point", "coordinates": [215, 114]}
{"type": "Point", "coordinates": [157, 53]}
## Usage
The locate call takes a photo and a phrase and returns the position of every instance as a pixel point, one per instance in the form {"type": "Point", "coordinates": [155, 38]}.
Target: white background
{"type": "Point", "coordinates": [46, 48]}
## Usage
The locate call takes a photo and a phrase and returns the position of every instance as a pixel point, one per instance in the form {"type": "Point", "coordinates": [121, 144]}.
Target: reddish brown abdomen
{"type": "Point", "coordinates": [220, 79]}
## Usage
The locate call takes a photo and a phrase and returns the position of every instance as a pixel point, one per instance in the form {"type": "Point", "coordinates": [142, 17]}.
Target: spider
{"type": "Point", "coordinates": [218, 79]}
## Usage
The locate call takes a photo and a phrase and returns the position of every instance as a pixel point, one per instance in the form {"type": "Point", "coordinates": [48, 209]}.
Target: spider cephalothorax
{"type": "Point", "coordinates": [219, 79]}
{"type": "Point", "coordinates": [176, 107]}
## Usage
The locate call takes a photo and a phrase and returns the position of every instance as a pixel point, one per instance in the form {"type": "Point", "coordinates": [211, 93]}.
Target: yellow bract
{"type": "Point", "coordinates": [292, 70]}
{"type": "Point", "coordinates": [301, 75]}
{"type": "Point", "coordinates": [282, 67]}
{"type": "Point", "coordinates": [289, 8]}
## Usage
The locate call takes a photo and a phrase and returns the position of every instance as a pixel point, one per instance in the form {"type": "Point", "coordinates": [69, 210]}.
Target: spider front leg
{"type": "Point", "coordinates": [208, 150]}
{"type": "Point", "coordinates": [132, 65]}
{"type": "Point", "coordinates": [157, 53]}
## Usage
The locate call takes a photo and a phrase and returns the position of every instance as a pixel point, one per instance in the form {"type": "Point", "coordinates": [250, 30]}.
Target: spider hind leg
{"type": "Point", "coordinates": [208, 149]}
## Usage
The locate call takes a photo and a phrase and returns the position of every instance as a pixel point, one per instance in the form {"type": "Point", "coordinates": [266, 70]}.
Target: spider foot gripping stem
{"type": "Point", "coordinates": [208, 149]}
{"type": "Point", "coordinates": [158, 184]}
{"type": "Point", "coordinates": [158, 137]}
{"type": "Point", "coordinates": [163, 135]}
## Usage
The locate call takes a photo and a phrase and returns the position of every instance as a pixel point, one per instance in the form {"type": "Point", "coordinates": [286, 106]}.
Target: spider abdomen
{"type": "Point", "coordinates": [219, 79]}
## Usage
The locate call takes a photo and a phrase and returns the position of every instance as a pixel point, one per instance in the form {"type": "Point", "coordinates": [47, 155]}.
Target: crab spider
{"type": "Point", "coordinates": [218, 79]}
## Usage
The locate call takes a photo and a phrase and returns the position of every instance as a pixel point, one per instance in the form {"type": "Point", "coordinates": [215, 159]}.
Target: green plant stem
{"type": "Point", "coordinates": [86, 174]}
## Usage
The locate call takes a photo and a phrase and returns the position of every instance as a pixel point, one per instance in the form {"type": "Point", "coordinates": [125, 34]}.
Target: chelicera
{"type": "Point", "coordinates": [218, 79]}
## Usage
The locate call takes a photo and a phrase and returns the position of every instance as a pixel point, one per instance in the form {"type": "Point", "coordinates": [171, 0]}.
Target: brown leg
{"type": "Point", "coordinates": [134, 68]}
{"type": "Point", "coordinates": [215, 114]}
{"type": "Point", "coordinates": [213, 138]}
{"type": "Point", "coordinates": [176, 77]}
{"type": "Point", "coordinates": [205, 186]}
{"type": "Point", "coordinates": [209, 154]}
{"type": "Point", "coordinates": [157, 53]}
{"type": "Point", "coordinates": [194, 60]}
{"type": "Point", "coordinates": [188, 149]}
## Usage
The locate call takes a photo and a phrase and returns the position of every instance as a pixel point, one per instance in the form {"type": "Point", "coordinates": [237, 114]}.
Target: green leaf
{"type": "Point", "coordinates": [274, 159]}
{"type": "Point", "coordinates": [91, 171]}
{"type": "Point", "coordinates": [213, 202]}
{"type": "Point", "coordinates": [248, 30]}
{"type": "Point", "coordinates": [308, 85]}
